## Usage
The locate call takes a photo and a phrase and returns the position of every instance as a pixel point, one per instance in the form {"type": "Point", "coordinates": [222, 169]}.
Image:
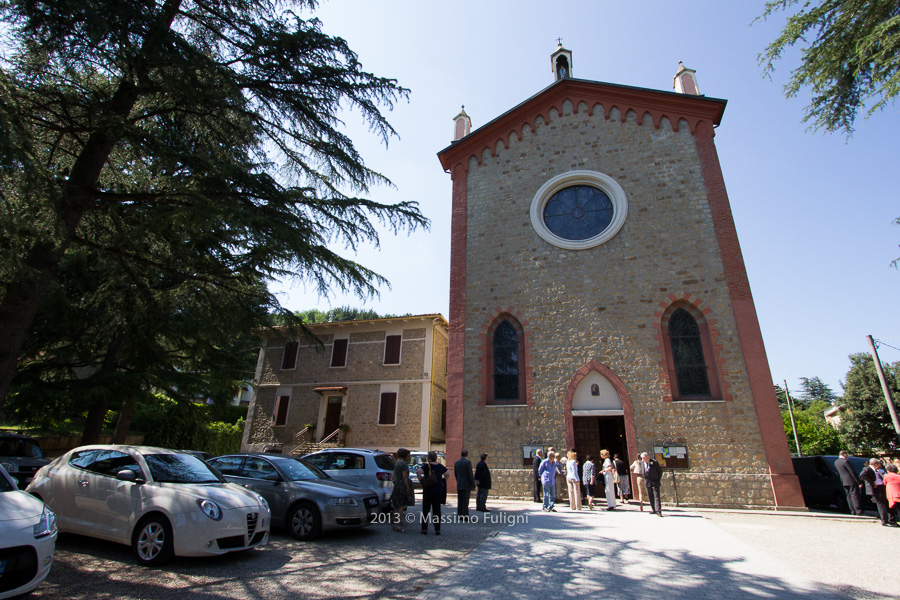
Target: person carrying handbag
{"type": "Point", "coordinates": [431, 475]}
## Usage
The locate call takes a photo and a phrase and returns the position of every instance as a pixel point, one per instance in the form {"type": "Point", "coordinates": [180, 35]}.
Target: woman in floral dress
{"type": "Point", "coordinates": [403, 489]}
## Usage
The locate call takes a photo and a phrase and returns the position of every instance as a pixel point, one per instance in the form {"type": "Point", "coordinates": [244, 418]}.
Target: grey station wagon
{"type": "Point", "coordinates": [302, 498]}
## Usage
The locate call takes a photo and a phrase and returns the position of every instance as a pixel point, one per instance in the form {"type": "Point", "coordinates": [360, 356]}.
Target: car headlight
{"type": "Point", "coordinates": [210, 509]}
{"type": "Point", "coordinates": [343, 501]}
{"type": "Point", "coordinates": [9, 467]}
{"type": "Point", "coordinates": [47, 525]}
{"type": "Point", "coordinates": [262, 502]}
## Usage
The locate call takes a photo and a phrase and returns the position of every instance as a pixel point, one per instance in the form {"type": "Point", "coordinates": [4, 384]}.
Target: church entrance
{"type": "Point", "coordinates": [593, 434]}
{"type": "Point", "coordinates": [599, 416]}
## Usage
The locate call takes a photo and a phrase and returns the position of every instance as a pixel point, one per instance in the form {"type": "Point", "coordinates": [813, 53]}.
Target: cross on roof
{"type": "Point", "coordinates": [559, 41]}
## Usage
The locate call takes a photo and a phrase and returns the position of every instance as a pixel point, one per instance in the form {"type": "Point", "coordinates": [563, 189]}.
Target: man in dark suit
{"type": "Point", "coordinates": [652, 479]}
{"type": "Point", "coordinates": [850, 481]}
{"type": "Point", "coordinates": [873, 476]}
{"type": "Point", "coordinates": [465, 483]}
{"type": "Point", "coordinates": [535, 465]}
{"type": "Point", "coordinates": [483, 481]}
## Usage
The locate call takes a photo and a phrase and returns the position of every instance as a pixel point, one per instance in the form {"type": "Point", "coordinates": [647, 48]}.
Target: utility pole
{"type": "Point", "coordinates": [791, 411]}
{"type": "Point", "coordinates": [884, 386]}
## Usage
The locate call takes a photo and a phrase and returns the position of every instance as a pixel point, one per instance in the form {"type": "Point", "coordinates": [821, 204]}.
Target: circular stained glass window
{"type": "Point", "coordinates": [579, 212]}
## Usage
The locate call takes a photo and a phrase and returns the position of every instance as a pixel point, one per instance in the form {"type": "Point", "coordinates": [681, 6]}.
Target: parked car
{"type": "Point", "coordinates": [27, 539]}
{"type": "Point", "coordinates": [162, 502]}
{"type": "Point", "coordinates": [417, 458]}
{"type": "Point", "coordinates": [21, 456]}
{"type": "Point", "coordinates": [302, 498]}
{"type": "Point", "coordinates": [820, 483]}
{"type": "Point", "coordinates": [359, 467]}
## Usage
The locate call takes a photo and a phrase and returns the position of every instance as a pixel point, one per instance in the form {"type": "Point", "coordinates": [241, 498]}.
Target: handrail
{"type": "Point", "coordinates": [326, 439]}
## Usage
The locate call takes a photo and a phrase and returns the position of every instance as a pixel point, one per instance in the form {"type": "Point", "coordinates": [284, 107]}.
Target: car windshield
{"type": "Point", "coordinates": [179, 468]}
{"type": "Point", "coordinates": [5, 484]}
{"type": "Point", "coordinates": [301, 470]}
{"type": "Point", "coordinates": [20, 448]}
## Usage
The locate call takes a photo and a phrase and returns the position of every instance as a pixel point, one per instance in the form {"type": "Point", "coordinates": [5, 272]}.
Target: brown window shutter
{"type": "Point", "coordinates": [279, 415]}
{"type": "Point", "coordinates": [444, 415]}
{"type": "Point", "coordinates": [392, 350]}
{"type": "Point", "coordinates": [289, 361]}
{"type": "Point", "coordinates": [339, 353]}
{"type": "Point", "coordinates": [387, 414]}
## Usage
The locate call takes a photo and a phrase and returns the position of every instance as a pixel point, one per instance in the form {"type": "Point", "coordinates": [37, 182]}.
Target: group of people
{"type": "Point", "coordinates": [432, 475]}
{"type": "Point", "coordinates": [880, 481]}
{"type": "Point", "coordinates": [611, 474]}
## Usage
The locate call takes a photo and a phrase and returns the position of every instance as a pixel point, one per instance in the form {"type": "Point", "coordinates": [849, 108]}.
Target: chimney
{"type": "Point", "coordinates": [686, 81]}
{"type": "Point", "coordinates": [462, 124]}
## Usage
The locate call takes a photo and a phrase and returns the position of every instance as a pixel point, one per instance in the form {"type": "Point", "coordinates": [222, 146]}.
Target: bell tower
{"type": "Point", "coordinates": [561, 62]}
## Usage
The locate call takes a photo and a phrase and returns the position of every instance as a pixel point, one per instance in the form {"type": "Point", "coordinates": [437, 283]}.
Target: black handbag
{"type": "Point", "coordinates": [430, 479]}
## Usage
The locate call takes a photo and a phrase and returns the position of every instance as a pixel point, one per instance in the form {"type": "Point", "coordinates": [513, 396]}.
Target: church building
{"type": "Point", "coordinates": [598, 296]}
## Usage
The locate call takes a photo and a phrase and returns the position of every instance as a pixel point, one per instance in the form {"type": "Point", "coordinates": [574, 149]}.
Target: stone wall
{"type": "Point", "coordinates": [602, 304]}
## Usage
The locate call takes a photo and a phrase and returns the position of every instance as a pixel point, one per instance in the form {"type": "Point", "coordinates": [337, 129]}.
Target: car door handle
{"type": "Point", "coordinates": [83, 482]}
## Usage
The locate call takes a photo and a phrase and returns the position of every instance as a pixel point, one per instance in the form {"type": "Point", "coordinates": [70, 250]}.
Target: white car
{"type": "Point", "coordinates": [27, 539]}
{"type": "Point", "coordinates": [163, 503]}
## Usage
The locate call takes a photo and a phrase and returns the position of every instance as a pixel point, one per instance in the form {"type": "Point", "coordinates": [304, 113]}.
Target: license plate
{"type": "Point", "coordinates": [2, 566]}
{"type": "Point", "coordinates": [265, 523]}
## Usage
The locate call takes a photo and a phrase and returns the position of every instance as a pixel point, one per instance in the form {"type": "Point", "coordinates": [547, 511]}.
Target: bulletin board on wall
{"type": "Point", "coordinates": [671, 456]}
{"type": "Point", "coordinates": [528, 453]}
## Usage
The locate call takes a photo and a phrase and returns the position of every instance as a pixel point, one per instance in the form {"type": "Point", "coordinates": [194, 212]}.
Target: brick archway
{"type": "Point", "coordinates": [627, 407]}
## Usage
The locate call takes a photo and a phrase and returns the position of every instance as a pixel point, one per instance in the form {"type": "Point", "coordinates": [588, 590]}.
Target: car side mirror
{"type": "Point", "coordinates": [273, 477]}
{"type": "Point", "coordinates": [128, 475]}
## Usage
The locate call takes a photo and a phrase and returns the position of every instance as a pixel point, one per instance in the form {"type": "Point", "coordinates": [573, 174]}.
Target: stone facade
{"type": "Point", "coordinates": [419, 381]}
{"type": "Point", "coordinates": [603, 309]}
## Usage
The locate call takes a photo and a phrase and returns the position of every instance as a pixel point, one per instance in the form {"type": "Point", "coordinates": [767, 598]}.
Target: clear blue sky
{"type": "Point", "coordinates": [814, 212]}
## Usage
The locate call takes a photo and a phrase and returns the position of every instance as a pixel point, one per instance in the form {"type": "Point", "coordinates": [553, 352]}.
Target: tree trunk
{"type": "Point", "coordinates": [93, 425]}
{"type": "Point", "coordinates": [124, 420]}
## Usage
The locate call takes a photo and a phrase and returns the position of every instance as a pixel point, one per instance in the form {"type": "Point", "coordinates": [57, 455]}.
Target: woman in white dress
{"type": "Point", "coordinates": [609, 475]}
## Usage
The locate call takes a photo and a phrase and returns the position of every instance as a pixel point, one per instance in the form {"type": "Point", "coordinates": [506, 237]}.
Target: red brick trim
{"type": "Point", "coordinates": [674, 107]}
{"type": "Point", "coordinates": [486, 355]}
{"type": "Point", "coordinates": [627, 407]}
{"type": "Point", "coordinates": [456, 350]}
{"type": "Point", "coordinates": [785, 484]}
{"type": "Point", "coordinates": [720, 389]}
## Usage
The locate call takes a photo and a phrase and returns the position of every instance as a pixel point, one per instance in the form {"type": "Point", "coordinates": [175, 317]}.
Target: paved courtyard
{"type": "Point", "coordinates": [631, 555]}
{"type": "Point", "coordinates": [519, 553]}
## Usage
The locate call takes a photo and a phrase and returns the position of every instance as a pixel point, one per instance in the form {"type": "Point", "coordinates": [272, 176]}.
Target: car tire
{"type": "Point", "coordinates": [304, 521]}
{"type": "Point", "coordinates": [152, 542]}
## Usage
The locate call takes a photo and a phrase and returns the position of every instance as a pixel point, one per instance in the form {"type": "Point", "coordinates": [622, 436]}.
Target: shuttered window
{"type": "Point", "coordinates": [279, 415]}
{"type": "Point", "coordinates": [387, 409]}
{"type": "Point", "coordinates": [339, 353]}
{"type": "Point", "coordinates": [289, 360]}
{"type": "Point", "coordinates": [392, 350]}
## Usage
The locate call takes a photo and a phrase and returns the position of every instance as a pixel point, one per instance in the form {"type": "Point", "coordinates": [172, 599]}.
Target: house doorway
{"type": "Point", "coordinates": [332, 415]}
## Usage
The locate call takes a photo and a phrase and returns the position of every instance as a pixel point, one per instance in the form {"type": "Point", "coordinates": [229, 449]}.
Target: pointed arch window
{"type": "Point", "coordinates": [687, 354]}
{"type": "Point", "coordinates": [503, 379]}
{"type": "Point", "coordinates": [506, 363]}
{"type": "Point", "coordinates": [690, 355]}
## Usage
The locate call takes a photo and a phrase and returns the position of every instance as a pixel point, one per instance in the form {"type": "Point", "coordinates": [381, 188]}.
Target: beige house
{"type": "Point", "coordinates": [379, 383]}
